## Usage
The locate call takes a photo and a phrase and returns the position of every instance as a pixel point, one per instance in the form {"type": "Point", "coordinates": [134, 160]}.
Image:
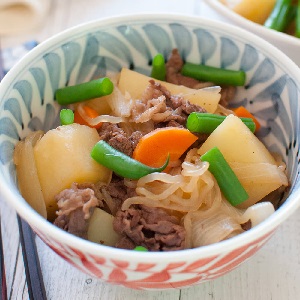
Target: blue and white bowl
{"type": "Point", "coordinates": [93, 49]}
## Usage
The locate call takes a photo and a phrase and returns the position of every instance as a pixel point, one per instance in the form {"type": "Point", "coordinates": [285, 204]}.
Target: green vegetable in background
{"type": "Point", "coordinates": [120, 163]}
{"type": "Point", "coordinates": [298, 20]}
{"type": "Point", "coordinates": [282, 15]}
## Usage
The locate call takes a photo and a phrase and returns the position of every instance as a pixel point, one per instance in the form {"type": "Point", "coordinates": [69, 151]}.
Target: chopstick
{"type": "Point", "coordinates": [34, 277]}
{"type": "Point", "coordinates": [3, 287]}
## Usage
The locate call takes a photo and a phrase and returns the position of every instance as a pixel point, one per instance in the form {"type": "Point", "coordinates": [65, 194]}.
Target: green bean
{"type": "Point", "coordinates": [292, 13]}
{"type": "Point", "coordinates": [215, 75]}
{"type": "Point", "coordinates": [158, 67]}
{"type": "Point", "coordinates": [140, 248]}
{"type": "Point", "coordinates": [120, 163]}
{"type": "Point", "coordinates": [228, 182]}
{"type": "Point", "coordinates": [207, 123]}
{"type": "Point", "coordinates": [84, 91]}
{"type": "Point", "coordinates": [297, 34]}
{"type": "Point", "coordinates": [281, 16]}
{"type": "Point", "coordinates": [66, 116]}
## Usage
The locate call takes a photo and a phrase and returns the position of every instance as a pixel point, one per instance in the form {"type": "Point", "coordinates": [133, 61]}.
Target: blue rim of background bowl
{"type": "Point", "coordinates": [109, 252]}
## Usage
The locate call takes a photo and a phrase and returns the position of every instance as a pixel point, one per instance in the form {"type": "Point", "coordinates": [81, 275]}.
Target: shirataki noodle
{"type": "Point", "coordinates": [183, 192]}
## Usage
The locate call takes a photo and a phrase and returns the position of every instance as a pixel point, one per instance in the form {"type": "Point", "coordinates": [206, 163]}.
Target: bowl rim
{"type": "Point", "coordinates": [250, 25]}
{"type": "Point", "coordinates": [37, 221]}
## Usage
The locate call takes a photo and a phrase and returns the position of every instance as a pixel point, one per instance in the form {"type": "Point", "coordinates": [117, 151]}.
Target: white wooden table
{"type": "Point", "coordinates": [273, 273]}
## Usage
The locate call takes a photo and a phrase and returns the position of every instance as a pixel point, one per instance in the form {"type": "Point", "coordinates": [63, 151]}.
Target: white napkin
{"type": "Point", "coordinates": [17, 16]}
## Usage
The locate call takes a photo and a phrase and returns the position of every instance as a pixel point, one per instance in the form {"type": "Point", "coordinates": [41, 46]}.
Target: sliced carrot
{"type": "Point", "coordinates": [154, 147]}
{"type": "Point", "coordinates": [243, 112]}
{"type": "Point", "coordinates": [90, 112]}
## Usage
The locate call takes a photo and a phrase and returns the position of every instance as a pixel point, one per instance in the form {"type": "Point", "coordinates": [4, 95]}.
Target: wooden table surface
{"type": "Point", "coordinates": [272, 274]}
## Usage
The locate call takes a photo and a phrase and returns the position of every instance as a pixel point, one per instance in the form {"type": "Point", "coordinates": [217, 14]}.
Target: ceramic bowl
{"type": "Point", "coordinates": [286, 43]}
{"type": "Point", "coordinates": [92, 49]}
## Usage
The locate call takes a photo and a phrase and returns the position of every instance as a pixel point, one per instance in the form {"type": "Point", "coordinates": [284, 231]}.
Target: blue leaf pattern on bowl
{"type": "Point", "coordinates": [293, 102]}
{"type": "Point", "coordinates": [8, 128]}
{"type": "Point", "coordinates": [51, 120]}
{"type": "Point", "coordinates": [229, 52]}
{"type": "Point", "coordinates": [249, 58]}
{"type": "Point", "coordinates": [25, 90]}
{"type": "Point", "coordinates": [90, 51]}
{"type": "Point", "coordinates": [272, 91]}
{"type": "Point", "coordinates": [207, 44]}
{"type": "Point", "coordinates": [160, 38]}
{"type": "Point", "coordinates": [115, 46]}
{"type": "Point", "coordinates": [136, 40]}
{"type": "Point", "coordinates": [263, 73]}
{"type": "Point", "coordinates": [104, 65]}
{"type": "Point", "coordinates": [40, 79]}
{"type": "Point", "coordinates": [6, 148]}
{"type": "Point", "coordinates": [13, 106]}
{"type": "Point", "coordinates": [53, 62]}
{"type": "Point", "coordinates": [183, 40]}
{"type": "Point", "coordinates": [71, 55]}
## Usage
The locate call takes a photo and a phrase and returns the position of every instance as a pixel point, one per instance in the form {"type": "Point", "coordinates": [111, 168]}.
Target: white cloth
{"type": "Point", "coordinates": [17, 16]}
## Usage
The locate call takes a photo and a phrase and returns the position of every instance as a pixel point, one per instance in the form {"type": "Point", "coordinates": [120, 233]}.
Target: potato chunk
{"type": "Point", "coordinates": [135, 83]}
{"type": "Point", "coordinates": [101, 228]}
{"type": "Point", "coordinates": [62, 157]}
{"type": "Point", "coordinates": [245, 153]}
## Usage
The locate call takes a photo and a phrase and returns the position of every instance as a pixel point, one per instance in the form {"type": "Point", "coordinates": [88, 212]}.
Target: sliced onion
{"type": "Point", "coordinates": [99, 119]}
{"type": "Point", "coordinates": [120, 104]}
{"type": "Point", "coordinates": [257, 213]}
{"type": "Point", "coordinates": [213, 89]}
{"type": "Point", "coordinates": [223, 111]}
{"type": "Point", "coordinates": [213, 229]}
